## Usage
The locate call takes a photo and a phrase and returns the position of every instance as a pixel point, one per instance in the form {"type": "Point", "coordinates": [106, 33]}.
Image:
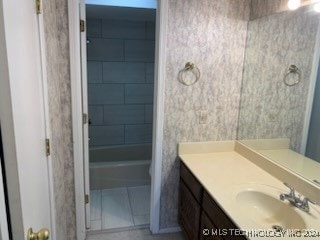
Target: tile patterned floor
{"type": "Point", "coordinates": [140, 204]}
{"type": "Point", "coordinates": [120, 207]}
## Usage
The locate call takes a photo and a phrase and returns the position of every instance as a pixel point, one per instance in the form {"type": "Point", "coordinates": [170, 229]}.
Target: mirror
{"type": "Point", "coordinates": [279, 91]}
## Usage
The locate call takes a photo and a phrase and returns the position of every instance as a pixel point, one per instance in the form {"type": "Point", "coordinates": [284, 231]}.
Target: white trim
{"type": "Point", "coordinates": [4, 234]}
{"type": "Point", "coordinates": [170, 230]}
{"type": "Point", "coordinates": [8, 135]}
{"type": "Point", "coordinates": [85, 127]}
{"type": "Point", "coordinates": [47, 123]}
{"type": "Point", "coordinates": [312, 86]}
{"type": "Point", "coordinates": [75, 75]}
{"type": "Point", "coordinates": [158, 114]}
{"type": "Point", "coordinates": [24, 127]}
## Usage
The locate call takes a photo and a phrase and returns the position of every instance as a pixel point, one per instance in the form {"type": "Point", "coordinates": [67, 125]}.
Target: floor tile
{"type": "Point", "coordinates": [95, 205]}
{"type": "Point", "coordinates": [141, 219]}
{"type": "Point", "coordinates": [95, 225]}
{"type": "Point", "coordinates": [140, 199]}
{"type": "Point", "coordinates": [116, 212]}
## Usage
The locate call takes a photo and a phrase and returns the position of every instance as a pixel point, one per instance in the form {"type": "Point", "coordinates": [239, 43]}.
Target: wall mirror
{"type": "Point", "coordinates": [280, 99]}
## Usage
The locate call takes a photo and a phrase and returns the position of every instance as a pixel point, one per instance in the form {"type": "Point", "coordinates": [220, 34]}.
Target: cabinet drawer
{"type": "Point", "coordinates": [192, 183]}
{"type": "Point", "coordinates": [189, 213]}
{"type": "Point", "coordinates": [219, 218]}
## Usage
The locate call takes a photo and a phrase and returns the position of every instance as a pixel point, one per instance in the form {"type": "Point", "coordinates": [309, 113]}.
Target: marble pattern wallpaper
{"type": "Point", "coordinates": [211, 34]}
{"type": "Point", "coordinates": [261, 8]}
{"type": "Point", "coordinates": [59, 92]}
{"type": "Point", "coordinates": [274, 42]}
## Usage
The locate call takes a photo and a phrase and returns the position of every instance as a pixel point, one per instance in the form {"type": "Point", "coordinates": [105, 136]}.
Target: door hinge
{"type": "Point", "coordinates": [48, 147]}
{"type": "Point", "coordinates": [82, 25]}
{"type": "Point", "coordinates": [86, 199]}
{"type": "Point", "coordinates": [38, 6]}
{"type": "Point", "coordinates": [85, 118]}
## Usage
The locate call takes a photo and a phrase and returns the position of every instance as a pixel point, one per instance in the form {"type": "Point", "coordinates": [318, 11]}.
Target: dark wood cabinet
{"type": "Point", "coordinates": [207, 229]}
{"type": "Point", "coordinates": [192, 183]}
{"type": "Point", "coordinates": [189, 213]}
{"type": "Point", "coordinates": [200, 217]}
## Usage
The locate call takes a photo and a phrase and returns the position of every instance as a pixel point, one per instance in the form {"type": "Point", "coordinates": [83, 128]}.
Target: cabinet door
{"type": "Point", "coordinates": [189, 213]}
{"type": "Point", "coordinates": [190, 181]}
{"type": "Point", "coordinates": [219, 219]}
{"type": "Point", "coordinates": [207, 230]}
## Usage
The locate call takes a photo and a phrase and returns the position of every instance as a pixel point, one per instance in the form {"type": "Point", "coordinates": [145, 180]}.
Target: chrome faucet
{"type": "Point", "coordinates": [296, 200]}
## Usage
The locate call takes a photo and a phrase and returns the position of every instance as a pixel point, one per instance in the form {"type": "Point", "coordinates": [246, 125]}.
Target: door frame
{"type": "Point", "coordinates": [10, 135]}
{"type": "Point", "coordinates": [158, 114]}
{"type": "Point", "coordinates": [85, 118]}
{"type": "Point", "coordinates": [6, 119]}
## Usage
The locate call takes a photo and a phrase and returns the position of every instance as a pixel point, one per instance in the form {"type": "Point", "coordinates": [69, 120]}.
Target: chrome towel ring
{"type": "Point", "coordinates": [189, 67]}
{"type": "Point", "coordinates": [294, 80]}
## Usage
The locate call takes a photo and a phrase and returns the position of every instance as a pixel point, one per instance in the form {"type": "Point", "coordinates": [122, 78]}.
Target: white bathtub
{"type": "Point", "coordinates": [120, 166]}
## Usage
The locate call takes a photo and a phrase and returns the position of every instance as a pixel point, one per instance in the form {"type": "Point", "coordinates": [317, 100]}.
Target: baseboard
{"type": "Point", "coordinates": [169, 230]}
{"type": "Point", "coordinates": [116, 230]}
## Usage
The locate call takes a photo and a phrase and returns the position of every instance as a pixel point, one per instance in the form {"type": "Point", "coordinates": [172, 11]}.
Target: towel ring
{"type": "Point", "coordinates": [189, 67]}
{"type": "Point", "coordinates": [294, 70]}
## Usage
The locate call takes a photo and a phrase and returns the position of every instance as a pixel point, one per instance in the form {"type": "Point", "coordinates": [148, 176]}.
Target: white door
{"type": "Point", "coordinates": [3, 215]}
{"type": "Point", "coordinates": [84, 82]}
{"type": "Point", "coordinates": [22, 110]}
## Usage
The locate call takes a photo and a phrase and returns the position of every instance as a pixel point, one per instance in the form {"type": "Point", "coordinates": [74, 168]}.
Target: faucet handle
{"type": "Point", "coordinates": [292, 190]}
{"type": "Point", "coordinates": [304, 204]}
{"type": "Point", "coordinates": [306, 200]}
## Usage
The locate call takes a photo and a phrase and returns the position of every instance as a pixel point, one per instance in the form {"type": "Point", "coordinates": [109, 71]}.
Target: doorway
{"type": "Point", "coordinates": [81, 163]}
{"type": "Point", "coordinates": [120, 44]}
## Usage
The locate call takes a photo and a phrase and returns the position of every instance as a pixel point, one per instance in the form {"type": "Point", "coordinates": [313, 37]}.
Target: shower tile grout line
{"type": "Point", "coordinates": [100, 209]}
{"type": "Point", "coordinates": [130, 205]}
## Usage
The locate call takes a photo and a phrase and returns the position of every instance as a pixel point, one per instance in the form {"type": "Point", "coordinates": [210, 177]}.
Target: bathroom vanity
{"type": "Point", "coordinates": [228, 191]}
{"type": "Point", "coordinates": [200, 216]}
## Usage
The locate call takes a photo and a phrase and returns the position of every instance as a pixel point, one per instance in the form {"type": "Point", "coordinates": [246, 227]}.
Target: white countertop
{"type": "Point", "coordinates": [224, 173]}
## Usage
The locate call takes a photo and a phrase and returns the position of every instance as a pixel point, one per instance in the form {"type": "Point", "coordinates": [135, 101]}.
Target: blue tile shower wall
{"type": "Point", "coordinates": [120, 81]}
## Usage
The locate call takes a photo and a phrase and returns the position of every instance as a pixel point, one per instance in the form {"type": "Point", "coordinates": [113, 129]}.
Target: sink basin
{"type": "Point", "coordinates": [268, 211]}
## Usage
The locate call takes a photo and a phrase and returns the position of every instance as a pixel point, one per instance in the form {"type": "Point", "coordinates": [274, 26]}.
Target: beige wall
{"type": "Point", "coordinates": [261, 8]}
